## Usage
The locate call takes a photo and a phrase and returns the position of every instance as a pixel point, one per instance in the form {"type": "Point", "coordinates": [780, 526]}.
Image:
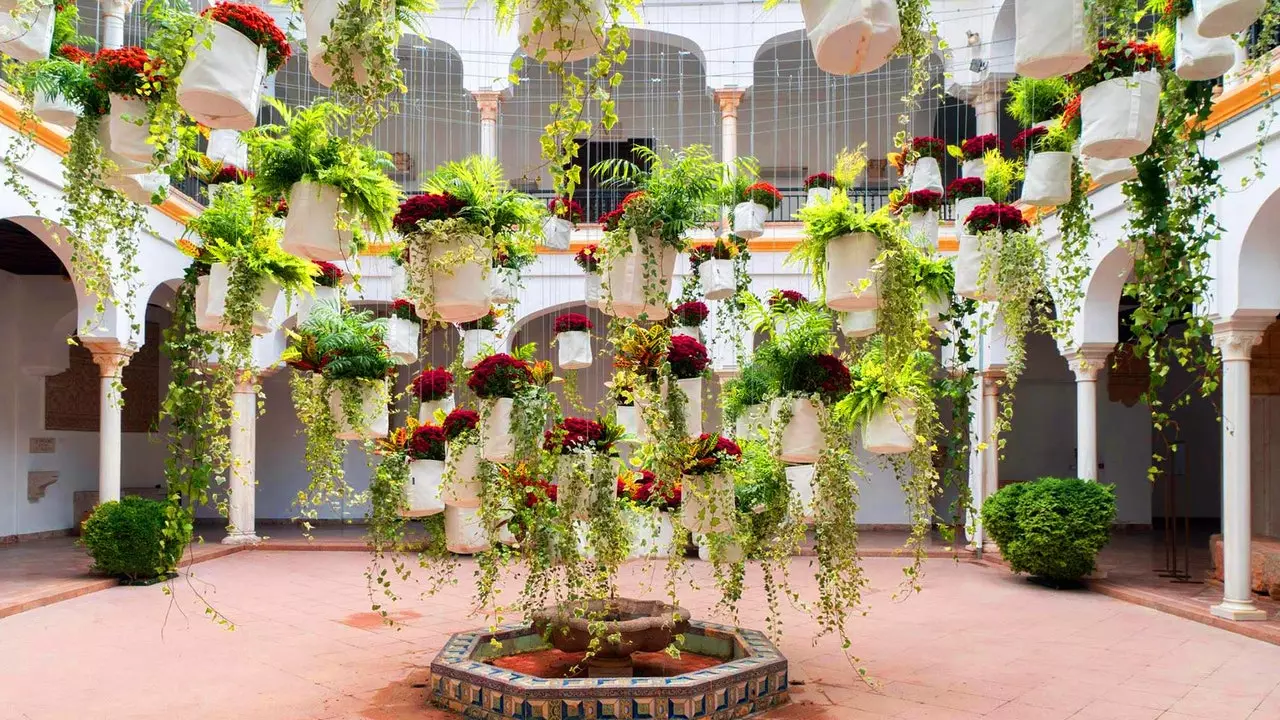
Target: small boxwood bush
{"type": "Point", "coordinates": [1051, 528]}
{"type": "Point", "coordinates": [125, 538]}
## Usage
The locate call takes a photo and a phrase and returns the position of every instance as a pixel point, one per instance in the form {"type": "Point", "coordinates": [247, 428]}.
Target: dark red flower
{"type": "Point", "coordinates": [922, 200]}
{"type": "Point", "coordinates": [74, 54]}
{"type": "Point", "coordinates": [566, 208]}
{"type": "Point", "coordinates": [427, 443]}
{"type": "Point", "coordinates": [433, 384]}
{"type": "Point", "coordinates": [610, 220]}
{"type": "Point", "coordinates": [255, 24]}
{"type": "Point", "coordinates": [690, 313]}
{"type": "Point", "coordinates": [1026, 140]}
{"type": "Point", "coordinates": [127, 71]}
{"type": "Point", "coordinates": [230, 174]}
{"type": "Point", "coordinates": [572, 322]}
{"type": "Point", "coordinates": [976, 147]}
{"type": "Point", "coordinates": [820, 180]}
{"type": "Point", "coordinates": [426, 207]}
{"type": "Point", "coordinates": [459, 421]}
{"type": "Point", "coordinates": [499, 376]}
{"type": "Point", "coordinates": [403, 309]}
{"type": "Point", "coordinates": [710, 451]}
{"type": "Point", "coordinates": [789, 299]}
{"type": "Point", "coordinates": [965, 188]}
{"type": "Point", "coordinates": [764, 194]}
{"type": "Point", "coordinates": [996, 216]}
{"type": "Point", "coordinates": [933, 147]}
{"type": "Point", "coordinates": [576, 434]}
{"type": "Point", "coordinates": [687, 356]}
{"type": "Point", "coordinates": [330, 274]}
{"type": "Point", "coordinates": [588, 259]}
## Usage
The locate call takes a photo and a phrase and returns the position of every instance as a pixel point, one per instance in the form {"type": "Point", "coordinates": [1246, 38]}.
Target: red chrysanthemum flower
{"type": "Point", "coordinates": [403, 309]}
{"type": "Point", "coordinates": [566, 208]}
{"type": "Point", "coordinates": [690, 313]}
{"type": "Point", "coordinates": [427, 443]}
{"type": "Point", "coordinates": [588, 258]}
{"type": "Point", "coordinates": [789, 299]}
{"type": "Point", "coordinates": [576, 435]}
{"type": "Point", "coordinates": [976, 147]}
{"type": "Point", "coordinates": [820, 180]}
{"type": "Point", "coordinates": [255, 24]}
{"type": "Point", "coordinates": [1027, 139]}
{"type": "Point", "coordinates": [637, 195]}
{"type": "Point", "coordinates": [499, 376]}
{"type": "Point", "coordinates": [433, 384]}
{"type": "Point", "coordinates": [74, 54]}
{"type": "Point", "coordinates": [764, 194]}
{"type": "Point", "coordinates": [922, 200]}
{"type": "Point", "coordinates": [424, 208]}
{"type": "Point", "coordinates": [996, 216]}
{"type": "Point", "coordinates": [572, 322]}
{"type": "Point", "coordinates": [330, 274]}
{"type": "Point", "coordinates": [687, 356]}
{"type": "Point", "coordinates": [965, 188]}
{"type": "Point", "coordinates": [459, 421]}
{"type": "Point", "coordinates": [933, 147]}
{"type": "Point", "coordinates": [127, 71]}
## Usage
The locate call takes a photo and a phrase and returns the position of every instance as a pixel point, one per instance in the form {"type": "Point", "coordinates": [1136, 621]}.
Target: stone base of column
{"type": "Point", "coordinates": [1237, 611]}
{"type": "Point", "coordinates": [238, 538]}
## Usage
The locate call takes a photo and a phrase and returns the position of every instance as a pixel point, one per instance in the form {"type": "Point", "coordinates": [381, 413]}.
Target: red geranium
{"type": "Point", "coordinates": [820, 180]}
{"type": "Point", "coordinates": [933, 147]}
{"type": "Point", "coordinates": [976, 147]}
{"type": "Point", "coordinates": [922, 200]}
{"type": "Point", "coordinates": [256, 25]}
{"type": "Point", "coordinates": [427, 443]}
{"type": "Point", "coordinates": [710, 453]}
{"type": "Point", "coordinates": [764, 194]}
{"type": "Point", "coordinates": [690, 313]}
{"type": "Point", "coordinates": [588, 259]}
{"type": "Point", "coordinates": [965, 188]}
{"type": "Point", "coordinates": [330, 274]}
{"type": "Point", "coordinates": [459, 421]}
{"type": "Point", "coordinates": [572, 322]}
{"type": "Point", "coordinates": [499, 376]}
{"type": "Point", "coordinates": [788, 299]}
{"type": "Point", "coordinates": [127, 71]}
{"type": "Point", "coordinates": [1027, 139]}
{"type": "Point", "coordinates": [74, 54]}
{"type": "Point", "coordinates": [577, 435]}
{"type": "Point", "coordinates": [566, 208]}
{"type": "Point", "coordinates": [687, 356]}
{"type": "Point", "coordinates": [610, 220]}
{"type": "Point", "coordinates": [426, 207]}
{"type": "Point", "coordinates": [230, 174]}
{"type": "Point", "coordinates": [996, 216]}
{"type": "Point", "coordinates": [433, 384]}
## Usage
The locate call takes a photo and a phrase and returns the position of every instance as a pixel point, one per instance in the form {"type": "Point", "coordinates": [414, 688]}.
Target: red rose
{"type": "Point", "coordinates": [922, 200]}
{"type": "Point", "coordinates": [576, 434]}
{"type": "Point", "coordinates": [790, 299]}
{"type": "Point", "coordinates": [933, 147]}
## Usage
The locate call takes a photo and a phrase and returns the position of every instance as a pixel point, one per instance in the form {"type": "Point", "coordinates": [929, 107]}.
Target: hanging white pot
{"type": "Point", "coordinates": [228, 148]}
{"type": "Point", "coordinates": [1107, 172]}
{"type": "Point", "coordinates": [1050, 38]}
{"type": "Point", "coordinates": [138, 187]}
{"type": "Point", "coordinates": [1048, 179]}
{"type": "Point", "coordinates": [317, 16]}
{"type": "Point", "coordinates": [462, 485]}
{"type": "Point", "coordinates": [422, 492]}
{"type": "Point", "coordinates": [557, 233]}
{"type": "Point", "coordinates": [591, 289]}
{"type": "Point", "coordinates": [631, 420]}
{"type": "Point", "coordinates": [800, 478]}
{"type": "Point", "coordinates": [477, 345]}
{"type": "Point", "coordinates": [851, 37]}
{"type": "Point", "coordinates": [211, 301]}
{"type": "Point", "coordinates": [27, 37]}
{"type": "Point", "coordinates": [692, 331]}
{"type": "Point", "coordinates": [652, 533]}
{"type": "Point", "coordinates": [457, 294]}
{"type": "Point", "coordinates": [859, 323]}
{"type": "Point", "coordinates": [802, 438]}
{"type": "Point", "coordinates": [1220, 18]}
{"type": "Point", "coordinates": [934, 309]}
{"type": "Point", "coordinates": [499, 445]}
{"type": "Point", "coordinates": [307, 303]}
{"type": "Point", "coordinates": [402, 340]}
{"type": "Point", "coordinates": [464, 531]}
{"type": "Point", "coordinates": [221, 84]}
{"type": "Point", "coordinates": [717, 280]}
{"type": "Point", "coordinates": [926, 175]}
{"type": "Point", "coordinates": [55, 109]}
{"type": "Point", "coordinates": [373, 416]}
{"type": "Point", "coordinates": [1118, 116]}
{"type": "Point", "coordinates": [505, 285]}
{"type": "Point", "coordinates": [849, 267]}
{"type": "Point", "coordinates": [817, 195]}
{"type": "Point", "coordinates": [891, 429]}
{"type": "Point", "coordinates": [427, 409]}
{"type": "Point", "coordinates": [310, 230]}
{"type": "Point", "coordinates": [974, 169]}
{"type": "Point", "coordinates": [707, 503]}
{"type": "Point", "coordinates": [573, 349]}
{"type": "Point", "coordinates": [1196, 57]}
{"type": "Point", "coordinates": [748, 219]}
{"type": "Point", "coordinates": [966, 206]}
{"type": "Point", "coordinates": [578, 489]}
{"type": "Point", "coordinates": [126, 133]}
{"type": "Point", "coordinates": [923, 228]}
{"type": "Point", "coordinates": [971, 279]}
{"type": "Point", "coordinates": [750, 420]}
{"type": "Point", "coordinates": [692, 389]}
{"type": "Point", "coordinates": [575, 38]}
{"type": "Point", "coordinates": [397, 281]}
{"type": "Point", "coordinates": [632, 274]}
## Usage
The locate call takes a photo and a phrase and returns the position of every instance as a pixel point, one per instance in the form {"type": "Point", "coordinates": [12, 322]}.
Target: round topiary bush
{"type": "Point", "coordinates": [1052, 528]}
{"type": "Point", "coordinates": [125, 538]}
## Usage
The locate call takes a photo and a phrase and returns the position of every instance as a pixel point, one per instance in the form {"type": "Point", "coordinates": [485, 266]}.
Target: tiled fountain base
{"type": "Point", "coordinates": [752, 679]}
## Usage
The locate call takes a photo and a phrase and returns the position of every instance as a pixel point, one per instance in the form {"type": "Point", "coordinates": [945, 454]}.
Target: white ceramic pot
{"type": "Point", "coordinates": [926, 175]}
{"type": "Point", "coordinates": [477, 345]}
{"type": "Point", "coordinates": [221, 84]}
{"type": "Point", "coordinates": [577, 37]}
{"type": "Point", "coordinates": [464, 531]}
{"type": "Point", "coordinates": [923, 227]}
{"type": "Point", "coordinates": [1048, 179]}
{"type": "Point", "coordinates": [211, 301]}
{"type": "Point", "coordinates": [1108, 172]}
{"type": "Point", "coordinates": [652, 533]}
{"type": "Point", "coordinates": [228, 148]}
{"type": "Point", "coordinates": [317, 16]}
{"type": "Point", "coordinates": [457, 295]}
{"type": "Point", "coordinates": [692, 331]}
{"type": "Point", "coordinates": [126, 133]}
{"type": "Point", "coordinates": [427, 409]}
{"type": "Point", "coordinates": [716, 279]}
{"type": "Point", "coordinates": [402, 340]}
{"type": "Point", "coordinates": [505, 285]}
{"type": "Point", "coordinates": [851, 37]}
{"type": "Point", "coordinates": [462, 485]}
{"type": "Point", "coordinates": [966, 206]}
{"type": "Point", "coordinates": [1220, 18]}
{"type": "Point", "coordinates": [1196, 57]}
{"type": "Point", "coordinates": [708, 503]}
{"type": "Point", "coordinates": [818, 195]}
{"type": "Point", "coordinates": [573, 349]}
{"type": "Point", "coordinates": [850, 260]}
{"type": "Point", "coordinates": [858, 324]}
{"type": "Point", "coordinates": [27, 37]}
{"type": "Point", "coordinates": [749, 422]}
{"type": "Point", "coordinates": [1118, 116]}
{"type": "Point", "coordinates": [972, 281]}
{"type": "Point", "coordinates": [748, 219]}
{"type": "Point", "coordinates": [631, 420]}
{"type": "Point", "coordinates": [974, 169]}
{"type": "Point", "coordinates": [310, 229]}
{"type": "Point", "coordinates": [591, 290]}
{"type": "Point", "coordinates": [891, 430]}
{"type": "Point", "coordinates": [1050, 38]}
{"type": "Point", "coordinates": [307, 303]}
{"type": "Point", "coordinates": [802, 439]}
{"type": "Point", "coordinates": [422, 492]}
{"type": "Point", "coordinates": [626, 294]}
{"type": "Point", "coordinates": [55, 109]}
{"type": "Point", "coordinates": [374, 416]}
{"type": "Point", "coordinates": [800, 478]}
{"type": "Point", "coordinates": [499, 445]}
{"type": "Point", "coordinates": [557, 233]}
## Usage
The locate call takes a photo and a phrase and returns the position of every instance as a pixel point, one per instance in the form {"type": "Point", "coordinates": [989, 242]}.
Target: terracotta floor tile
{"type": "Point", "coordinates": [1108, 710]}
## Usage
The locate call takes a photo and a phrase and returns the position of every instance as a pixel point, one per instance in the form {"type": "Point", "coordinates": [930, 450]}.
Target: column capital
{"type": "Point", "coordinates": [110, 359]}
{"type": "Point", "coordinates": [1086, 362]}
{"type": "Point", "coordinates": [488, 102]}
{"type": "Point", "coordinates": [118, 8]}
{"type": "Point", "coordinates": [1235, 338]}
{"type": "Point", "coordinates": [991, 380]}
{"type": "Point", "coordinates": [728, 99]}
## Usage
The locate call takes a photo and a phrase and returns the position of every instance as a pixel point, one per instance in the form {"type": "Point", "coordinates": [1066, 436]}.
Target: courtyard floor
{"type": "Point", "coordinates": [977, 643]}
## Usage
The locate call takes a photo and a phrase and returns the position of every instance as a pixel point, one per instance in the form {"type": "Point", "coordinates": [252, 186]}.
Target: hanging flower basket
{"type": "Point", "coordinates": [1118, 116]}
{"type": "Point", "coordinates": [926, 174]}
{"type": "Point", "coordinates": [573, 341]}
{"type": "Point", "coordinates": [631, 420]}
{"type": "Point", "coordinates": [802, 438]}
{"type": "Point", "coordinates": [317, 16]}
{"type": "Point", "coordinates": [749, 422]}
{"type": "Point", "coordinates": [56, 110]}
{"type": "Point", "coordinates": [748, 219]}
{"type": "Point", "coordinates": [652, 533]}
{"type": "Point", "coordinates": [27, 38]}
{"type": "Point", "coordinates": [464, 531]}
{"type": "Point", "coordinates": [851, 38]}
{"type": "Point", "coordinates": [891, 429]}
{"type": "Point", "coordinates": [505, 285]}
{"type": "Point", "coordinates": [310, 230]}
{"type": "Point", "coordinates": [850, 262]}
{"type": "Point", "coordinates": [402, 340]}
{"type": "Point", "coordinates": [140, 187]}
{"type": "Point", "coordinates": [464, 485]}
{"type": "Point", "coordinates": [858, 324]}
{"type": "Point", "coordinates": [477, 344]}
{"type": "Point", "coordinates": [923, 227]}
{"type": "Point", "coordinates": [629, 281]}
{"type": "Point", "coordinates": [1048, 179]}
{"type": "Point", "coordinates": [1197, 57]}
{"type": "Point", "coordinates": [800, 478]}
{"type": "Point", "coordinates": [970, 280]}
{"type": "Point", "coordinates": [221, 85]}
{"type": "Point", "coordinates": [557, 233]}
{"type": "Point", "coordinates": [124, 133]}
{"type": "Point", "coordinates": [966, 206]}
{"type": "Point", "coordinates": [708, 503]}
{"type": "Point", "coordinates": [1220, 18]}
{"type": "Point", "coordinates": [374, 417]}
{"type": "Point", "coordinates": [456, 292]}
{"type": "Point", "coordinates": [716, 279]}
{"type": "Point", "coordinates": [427, 408]}
{"type": "Point", "coordinates": [227, 147]}
{"type": "Point", "coordinates": [499, 444]}
{"type": "Point", "coordinates": [816, 195]}
{"type": "Point", "coordinates": [211, 301]}
{"type": "Point", "coordinates": [1050, 38]}
{"type": "Point", "coordinates": [692, 389]}
{"type": "Point", "coordinates": [976, 168]}
{"type": "Point", "coordinates": [1109, 172]}
{"type": "Point", "coordinates": [422, 492]}
{"type": "Point", "coordinates": [591, 290]}
{"type": "Point", "coordinates": [575, 37]}
{"type": "Point", "coordinates": [307, 303]}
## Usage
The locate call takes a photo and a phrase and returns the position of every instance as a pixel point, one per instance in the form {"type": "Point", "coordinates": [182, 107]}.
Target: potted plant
{"type": "Point", "coordinates": [588, 259]}
{"type": "Point", "coordinates": [921, 210]}
{"type": "Point", "coordinates": [573, 341]}
{"type": "Point", "coordinates": [464, 530]}
{"type": "Point", "coordinates": [807, 376]}
{"type": "Point", "coordinates": [325, 289]}
{"type": "Point", "coordinates": [624, 389]}
{"type": "Point", "coordinates": [496, 380]}
{"type": "Point", "coordinates": [1195, 56]}
{"type": "Point", "coordinates": [1050, 161]}
{"type": "Point", "coordinates": [479, 338]}
{"type": "Point", "coordinates": [882, 400]}
{"type": "Point", "coordinates": [819, 188]}
{"type": "Point", "coordinates": [509, 258]}
{"type": "Point", "coordinates": [1100, 172]}
{"type": "Point", "coordinates": [936, 279]}
{"type": "Point", "coordinates": [131, 79]}
{"type": "Point", "coordinates": [851, 38]}
{"type": "Point", "coordinates": [462, 484]}
{"type": "Point", "coordinates": [713, 266]}
{"type": "Point", "coordinates": [562, 32]}
{"type": "Point", "coordinates": [1119, 99]}
{"type": "Point", "coordinates": [840, 247]}
{"type": "Point", "coordinates": [426, 451]}
{"type": "Point", "coordinates": [1051, 39]}
{"type": "Point", "coordinates": [403, 332]}
{"type": "Point", "coordinates": [582, 448]}
{"type": "Point", "coordinates": [433, 387]}
{"type": "Point", "coordinates": [783, 307]}
{"type": "Point", "coordinates": [687, 319]}
{"type": "Point", "coordinates": [754, 205]}
{"type": "Point", "coordinates": [1037, 102]}
{"type": "Point", "coordinates": [26, 32]}
{"type": "Point", "coordinates": [356, 369]}
{"type": "Point", "coordinates": [1220, 18]}
{"type": "Point", "coordinates": [226, 175]}
{"type": "Point", "coordinates": [649, 516]}
{"type": "Point", "coordinates": [977, 262]}
{"type": "Point", "coordinates": [56, 84]}
{"type": "Point", "coordinates": [688, 360]}
{"type": "Point", "coordinates": [925, 168]}
{"type": "Point", "coordinates": [557, 229]}
{"type": "Point", "coordinates": [238, 46]}
{"type": "Point", "coordinates": [971, 154]}
{"type": "Point", "coordinates": [858, 324]}
{"type": "Point", "coordinates": [966, 194]}
{"type": "Point", "coordinates": [800, 483]}
{"type": "Point", "coordinates": [744, 401]}
{"type": "Point", "coordinates": [707, 485]}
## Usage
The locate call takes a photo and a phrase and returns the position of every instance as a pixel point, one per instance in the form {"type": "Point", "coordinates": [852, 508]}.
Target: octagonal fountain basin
{"type": "Point", "coordinates": [723, 673]}
{"type": "Point", "coordinates": [635, 626]}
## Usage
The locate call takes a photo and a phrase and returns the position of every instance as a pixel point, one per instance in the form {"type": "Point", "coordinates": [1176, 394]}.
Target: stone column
{"type": "Point", "coordinates": [728, 99]}
{"type": "Point", "coordinates": [991, 379]}
{"type": "Point", "coordinates": [986, 104]}
{"type": "Point", "coordinates": [488, 102]}
{"type": "Point", "coordinates": [1086, 363]}
{"type": "Point", "coordinates": [1235, 340]}
{"type": "Point", "coordinates": [113, 12]}
{"type": "Point", "coordinates": [243, 481]}
{"type": "Point", "coordinates": [110, 360]}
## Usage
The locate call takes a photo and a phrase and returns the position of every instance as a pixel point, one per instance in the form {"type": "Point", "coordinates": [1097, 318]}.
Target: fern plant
{"type": "Point", "coordinates": [1034, 101]}
{"type": "Point", "coordinates": [490, 203]}
{"type": "Point", "coordinates": [875, 383]}
{"type": "Point", "coordinates": [677, 190]}
{"type": "Point", "coordinates": [341, 345]}
{"type": "Point", "coordinates": [824, 222]}
{"type": "Point", "coordinates": [752, 386]}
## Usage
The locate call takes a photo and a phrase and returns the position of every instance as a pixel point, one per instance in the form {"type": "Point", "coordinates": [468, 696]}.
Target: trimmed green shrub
{"type": "Point", "coordinates": [125, 538]}
{"type": "Point", "coordinates": [1051, 528]}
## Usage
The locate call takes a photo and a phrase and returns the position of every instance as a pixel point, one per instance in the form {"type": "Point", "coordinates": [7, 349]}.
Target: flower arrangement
{"type": "Point", "coordinates": [921, 201]}
{"type": "Point", "coordinates": [432, 384]}
{"type": "Point", "coordinates": [404, 309]}
{"type": "Point", "coordinates": [572, 322]}
{"type": "Point", "coordinates": [611, 220]}
{"type": "Point", "coordinates": [875, 383]}
{"type": "Point", "coordinates": [821, 180]}
{"type": "Point", "coordinates": [823, 375]}
{"type": "Point", "coordinates": [641, 488]}
{"type": "Point", "coordinates": [1114, 59]}
{"type": "Point", "coordinates": [423, 208]}
{"type": "Point", "coordinates": [588, 258]}
{"type": "Point", "coordinates": [73, 53]}
{"type": "Point", "coordinates": [459, 421]}
{"type": "Point", "coordinates": [787, 299]}
{"type": "Point", "coordinates": [580, 435]}
{"type": "Point", "coordinates": [427, 443]}
{"type": "Point", "coordinates": [488, 322]}
{"type": "Point", "coordinates": [328, 275]}
{"type": "Point", "coordinates": [567, 208]}
{"type": "Point", "coordinates": [499, 376]}
{"type": "Point", "coordinates": [688, 357]}
{"type": "Point", "coordinates": [719, 250]}
{"type": "Point", "coordinates": [976, 147]}
{"type": "Point", "coordinates": [996, 216]}
{"type": "Point", "coordinates": [128, 70]}
{"type": "Point", "coordinates": [965, 188]}
{"type": "Point", "coordinates": [712, 454]}
{"type": "Point", "coordinates": [1027, 139]}
{"type": "Point", "coordinates": [514, 252]}
{"type": "Point", "coordinates": [341, 345]}
{"type": "Point", "coordinates": [231, 174]}
{"type": "Point", "coordinates": [825, 222]}
{"type": "Point", "coordinates": [690, 314]}
{"type": "Point", "coordinates": [929, 147]}
{"type": "Point", "coordinates": [762, 193]}
{"type": "Point", "coordinates": [255, 24]}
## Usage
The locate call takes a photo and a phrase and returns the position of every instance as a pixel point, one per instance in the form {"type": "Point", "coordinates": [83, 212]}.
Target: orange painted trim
{"type": "Point", "coordinates": [949, 244]}
{"type": "Point", "coordinates": [1240, 100]}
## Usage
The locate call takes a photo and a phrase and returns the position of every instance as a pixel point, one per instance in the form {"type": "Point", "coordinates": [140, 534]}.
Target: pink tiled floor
{"type": "Point", "coordinates": [978, 643]}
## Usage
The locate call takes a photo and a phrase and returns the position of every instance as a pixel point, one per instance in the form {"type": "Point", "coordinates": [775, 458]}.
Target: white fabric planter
{"type": "Point", "coordinates": [576, 496]}
{"type": "Point", "coordinates": [211, 301]}
{"type": "Point", "coordinates": [1118, 116]}
{"type": "Point", "coordinates": [692, 331]}
{"type": "Point", "coordinates": [307, 303]}
{"type": "Point", "coordinates": [1196, 57]}
{"type": "Point", "coordinates": [717, 280]}
{"type": "Point", "coordinates": [505, 285]}
{"type": "Point", "coordinates": [851, 37]}
{"type": "Point", "coordinates": [971, 281]}
{"type": "Point", "coordinates": [464, 531]}
{"type": "Point", "coordinates": [55, 109]}
{"type": "Point", "coordinates": [1050, 38]}
{"type": "Point", "coordinates": [966, 206]}
{"type": "Point", "coordinates": [374, 417]}
{"type": "Point", "coordinates": [573, 349]}
{"type": "Point", "coordinates": [858, 324]}
{"type": "Point", "coordinates": [499, 444]}
{"type": "Point", "coordinates": [317, 16]}
{"type": "Point", "coordinates": [692, 389]}
{"type": "Point", "coordinates": [891, 429]}
{"type": "Point", "coordinates": [477, 345]}
{"type": "Point", "coordinates": [427, 409]}
{"type": "Point", "coordinates": [800, 478]}
{"type": "Point", "coordinates": [402, 340]}
{"type": "Point", "coordinates": [748, 219]}
{"type": "Point", "coordinates": [923, 227]}
{"type": "Point", "coordinates": [126, 133]}
{"type": "Point", "coordinates": [974, 169]}
{"type": "Point", "coordinates": [221, 85]}
{"type": "Point", "coordinates": [27, 38]}
{"type": "Point", "coordinates": [591, 290]}
{"type": "Point", "coordinates": [626, 293]}
{"type": "Point", "coordinates": [460, 293]}
{"type": "Point", "coordinates": [926, 175]}
{"type": "Point", "coordinates": [422, 493]}
{"type": "Point", "coordinates": [463, 486]}
{"type": "Point", "coordinates": [749, 422]}
{"type": "Point", "coordinates": [398, 281]}
{"type": "Point", "coordinates": [652, 533]}
{"type": "Point", "coordinates": [557, 233]}
{"type": "Point", "coordinates": [632, 422]}
{"type": "Point", "coordinates": [850, 259]}
{"type": "Point", "coordinates": [1219, 18]}
{"type": "Point", "coordinates": [1107, 172]}
{"type": "Point", "coordinates": [802, 438]}
{"type": "Point", "coordinates": [934, 309]}
{"type": "Point", "coordinates": [228, 148]}
{"type": "Point", "coordinates": [818, 195]}
{"type": "Point", "coordinates": [310, 230]}
{"type": "Point", "coordinates": [1048, 179]}
{"type": "Point", "coordinates": [138, 187]}
{"type": "Point", "coordinates": [708, 503]}
{"type": "Point", "coordinates": [575, 39]}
